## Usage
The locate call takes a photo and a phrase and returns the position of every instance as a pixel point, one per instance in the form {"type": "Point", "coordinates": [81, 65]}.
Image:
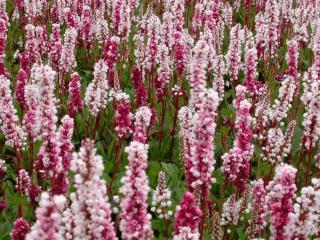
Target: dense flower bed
{"type": "Point", "coordinates": [163, 119]}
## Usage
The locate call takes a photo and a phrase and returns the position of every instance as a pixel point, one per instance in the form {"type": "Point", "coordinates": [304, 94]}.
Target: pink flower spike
{"type": "Point", "coordinates": [14, 134]}
{"type": "Point", "coordinates": [142, 122]}
{"type": "Point", "coordinates": [22, 80]}
{"type": "Point", "coordinates": [29, 122]}
{"type": "Point", "coordinates": [75, 104]}
{"type": "Point", "coordinates": [86, 26]}
{"type": "Point", "coordinates": [122, 120]}
{"type": "Point", "coordinates": [60, 181]}
{"type": "Point", "coordinates": [43, 76]}
{"type": "Point", "coordinates": [236, 162]}
{"type": "Point", "coordinates": [254, 87]}
{"type": "Point", "coordinates": [68, 60]}
{"type": "Point", "coordinates": [304, 218]}
{"type": "Point", "coordinates": [202, 149]}
{"type": "Point", "coordinates": [96, 96]}
{"type": "Point", "coordinates": [281, 191]}
{"type": "Point", "coordinates": [20, 229]}
{"type": "Point", "coordinates": [164, 72]}
{"type": "Point", "coordinates": [292, 58]}
{"type": "Point", "coordinates": [187, 218]}
{"type": "Point", "coordinates": [311, 102]}
{"type": "Point", "coordinates": [153, 33]}
{"type": "Point", "coordinates": [3, 39]}
{"type": "Point", "coordinates": [89, 216]}
{"type": "Point", "coordinates": [140, 91]}
{"type": "Point", "coordinates": [259, 194]}
{"type": "Point", "coordinates": [24, 183]}
{"type": "Point", "coordinates": [233, 57]}
{"type": "Point", "coordinates": [49, 218]}
{"type": "Point", "coordinates": [55, 47]}
{"type": "Point", "coordinates": [24, 62]}
{"type": "Point", "coordinates": [180, 50]}
{"type": "Point", "coordinates": [110, 51]}
{"type": "Point", "coordinates": [135, 221]}
{"type": "Point", "coordinates": [197, 79]}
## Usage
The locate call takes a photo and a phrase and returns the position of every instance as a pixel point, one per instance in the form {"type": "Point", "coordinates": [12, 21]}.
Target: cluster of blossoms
{"type": "Point", "coordinates": [236, 162]}
{"type": "Point", "coordinates": [187, 218]}
{"type": "Point", "coordinates": [35, 42]}
{"type": "Point", "coordinates": [180, 49]}
{"type": "Point", "coordinates": [22, 80]}
{"type": "Point", "coordinates": [110, 56]}
{"type": "Point", "coordinates": [75, 104]}
{"type": "Point", "coordinates": [281, 106]}
{"type": "Point", "coordinates": [55, 46]}
{"type": "Point", "coordinates": [152, 47]}
{"type": "Point", "coordinates": [269, 123]}
{"type": "Point", "coordinates": [89, 215]}
{"type": "Point", "coordinates": [14, 134]}
{"type": "Point", "coordinates": [56, 143]}
{"type": "Point", "coordinates": [34, 8]}
{"type": "Point", "coordinates": [20, 229]}
{"type": "Point", "coordinates": [281, 192]}
{"type": "Point", "coordinates": [201, 151]}
{"type": "Point", "coordinates": [219, 70]}
{"type": "Point", "coordinates": [96, 96]}
{"type": "Point", "coordinates": [311, 101]}
{"type": "Point", "coordinates": [203, 104]}
{"type": "Point", "coordinates": [305, 216]}
{"type": "Point", "coordinates": [122, 16]}
{"type": "Point", "coordinates": [292, 58]}
{"type": "Point", "coordinates": [185, 117]}
{"type": "Point", "coordinates": [3, 39]}
{"type": "Point", "coordinates": [259, 203]}
{"type": "Point", "coordinates": [29, 122]}
{"type": "Point", "coordinates": [227, 15]}
{"type": "Point", "coordinates": [278, 144]}
{"type": "Point", "coordinates": [233, 57]}
{"type": "Point", "coordinates": [135, 221]}
{"type": "Point", "coordinates": [161, 198]}
{"type": "Point", "coordinates": [197, 78]}
{"type": "Point", "coordinates": [122, 119]}
{"type": "Point", "coordinates": [143, 117]}
{"type": "Point", "coordinates": [140, 90]}
{"type": "Point", "coordinates": [23, 182]}
{"type": "Point", "coordinates": [43, 77]}
{"type": "Point", "coordinates": [164, 72]}
{"type": "Point", "coordinates": [49, 217]}
{"type": "Point", "coordinates": [233, 209]}
{"type": "Point", "coordinates": [268, 33]}
{"type": "Point", "coordinates": [72, 73]}
{"type": "Point", "coordinates": [67, 60]}
{"type": "Point", "coordinates": [60, 181]}
{"type": "Point", "coordinates": [179, 41]}
{"type": "Point", "coordinates": [254, 87]}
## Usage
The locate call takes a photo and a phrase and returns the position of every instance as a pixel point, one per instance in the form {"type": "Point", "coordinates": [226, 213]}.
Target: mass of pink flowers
{"type": "Point", "coordinates": [162, 119]}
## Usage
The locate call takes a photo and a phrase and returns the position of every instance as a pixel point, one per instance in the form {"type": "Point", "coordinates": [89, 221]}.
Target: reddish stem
{"type": "Point", "coordinates": [96, 125]}
{"type": "Point", "coordinates": [87, 127]}
{"type": "Point", "coordinates": [117, 147]}
{"type": "Point", "coordinates": [223, 190]}
{"type": "Point", "coordinates": [18, 153]}
{"type": "Point", "coordinates": [203, 208]}
{"type": "Point", "coordinates": [306, 180]}
{"type": "Point", "coordinates": [31, 154]}
{"type": "Point", "coordinates": [162, 122]}
{"type": "Point", "coordinates": [173, 132]}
